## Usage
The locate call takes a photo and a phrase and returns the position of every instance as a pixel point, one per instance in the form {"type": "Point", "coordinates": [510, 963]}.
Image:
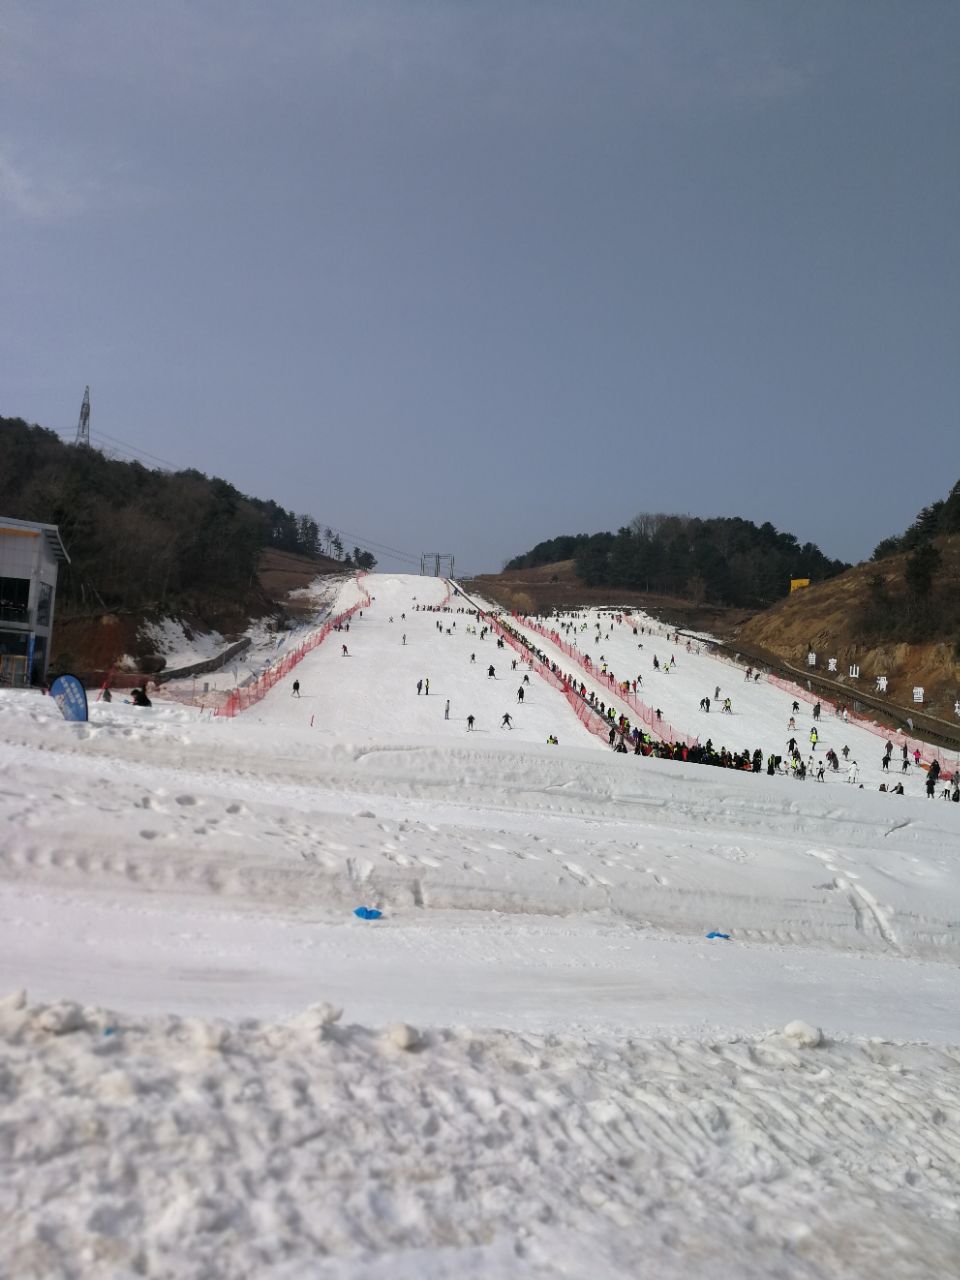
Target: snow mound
{"type": "Point", "coordinates": [282, 1154]}
{"type": "Point", "coordinates": [803, 1034]}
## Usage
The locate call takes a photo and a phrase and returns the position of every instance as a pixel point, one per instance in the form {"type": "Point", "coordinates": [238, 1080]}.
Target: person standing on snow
{"type": "Point", "coordinates": [520, 694]}
{"type": "Point", "coordinates": [296, 689]}
{"type": "Point", "coordinates": [419, 687]}
{"type": "Point", "coordinates": [470, 722]}
{"type": "Point", "coordinates": [426, 686]}
{"type": "Point", "coordinates": [446, 710]}
{"type": "Point", "coordinates": [853, 773]}
{"type": "Point", "coordinates": [506, 721]}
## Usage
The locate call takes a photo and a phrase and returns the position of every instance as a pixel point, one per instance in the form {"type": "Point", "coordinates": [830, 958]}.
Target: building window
{"type": "Point", "coordinates": [44, 601]}
{"type": "Point", "coordinates": [14, 599]}
{"type": "Point", "coordinates": [13, 658]}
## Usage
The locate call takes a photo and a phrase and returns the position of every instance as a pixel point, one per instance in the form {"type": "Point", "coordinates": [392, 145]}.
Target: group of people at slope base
{"type": "Point", "coordinates": [621, 732]}
{"type": "Point", "coordinates": [139, 696]}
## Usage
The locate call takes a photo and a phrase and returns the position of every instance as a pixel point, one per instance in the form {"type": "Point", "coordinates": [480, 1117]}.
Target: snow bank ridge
{"type": "Point", "coordinates": [196, 1148]}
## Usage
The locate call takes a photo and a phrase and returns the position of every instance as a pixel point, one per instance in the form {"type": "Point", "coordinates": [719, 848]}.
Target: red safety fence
{"type": "Point", "coordinates": [246, 697]}
{"type": "Point", "coordinates": [588, 716]}
{"type": "Point", "coordinates": [928, 752]}
{"type": "Point", "coordinates": [660, 728]}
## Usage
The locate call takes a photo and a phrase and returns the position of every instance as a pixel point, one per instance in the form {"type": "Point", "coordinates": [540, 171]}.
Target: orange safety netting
{"type": "Point", "coordinates": [664, 731]}
{"type": "Point", "coordinates": [246, 697]}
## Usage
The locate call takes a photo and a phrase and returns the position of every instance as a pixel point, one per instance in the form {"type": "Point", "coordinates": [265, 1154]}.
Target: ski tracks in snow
{"type": "Point", "coordinates": [186, 1147]}
{"type": "Point", "coordinates": [869, 914]}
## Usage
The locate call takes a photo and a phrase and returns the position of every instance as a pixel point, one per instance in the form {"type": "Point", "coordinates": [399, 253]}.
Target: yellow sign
{"type": "Point", "coordinates": [797, 583]}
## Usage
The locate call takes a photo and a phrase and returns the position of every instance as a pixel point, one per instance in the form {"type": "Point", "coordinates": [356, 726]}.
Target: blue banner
{"type": "Point", "coordinates": [70, 697]}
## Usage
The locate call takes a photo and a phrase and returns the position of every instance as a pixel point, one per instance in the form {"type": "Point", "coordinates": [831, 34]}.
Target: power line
{"type": "Point", "coordinates": [164, 462]}
{"type": "Point", "coordinates": [361, 540]}
{"type": "Point", "coordinates": [121, 446]}
{"type": "Point", "coordinates": [403, 555]}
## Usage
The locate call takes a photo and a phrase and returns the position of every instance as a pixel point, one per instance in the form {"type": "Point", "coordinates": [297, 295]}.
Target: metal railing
{"type": "Point", "coordinates": [16, 613]}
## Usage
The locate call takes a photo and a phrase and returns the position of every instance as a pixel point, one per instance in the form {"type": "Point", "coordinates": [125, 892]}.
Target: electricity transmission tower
{"type": "Point", "coordinates": [83, 426]}
{"type": "Point", "coordinates": [441, 566]}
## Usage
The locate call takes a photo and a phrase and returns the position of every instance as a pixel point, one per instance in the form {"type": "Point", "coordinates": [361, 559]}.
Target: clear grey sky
{"type": "Point", "coordinates": [460, 276]}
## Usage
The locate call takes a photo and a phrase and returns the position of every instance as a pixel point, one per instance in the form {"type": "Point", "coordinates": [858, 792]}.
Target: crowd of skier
{"type": "Point", "coordinates": [625, 737]}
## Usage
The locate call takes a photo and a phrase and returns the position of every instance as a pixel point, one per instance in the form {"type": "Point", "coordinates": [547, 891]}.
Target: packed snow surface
{"type": "Point", "coordinates": [544, 1065]}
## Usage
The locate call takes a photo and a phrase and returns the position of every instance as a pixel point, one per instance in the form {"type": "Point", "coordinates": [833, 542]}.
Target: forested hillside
{"type": "Point", "coordinates": [725, 561]}
{"type": "Point", "coordinates": [140, 538]}
{"type": "Point", "coordinates": [940, 517]}
{"type": "Point", "coordinates": [912, 593]}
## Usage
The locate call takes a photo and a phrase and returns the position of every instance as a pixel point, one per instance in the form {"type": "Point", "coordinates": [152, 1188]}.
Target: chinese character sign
{"type": "Point", "coordinates": [831, 664]}
{"type": "Point", "coordinates": [918, 693]}
{"type": "Point", "coordinates": [811, 659]}
{"type": "Point", "coordinates": [854, 672]}
{"type": "Point", "coordinates": [881, 684]}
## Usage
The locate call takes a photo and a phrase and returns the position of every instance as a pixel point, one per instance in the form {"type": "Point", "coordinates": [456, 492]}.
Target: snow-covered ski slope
{"type": "Point", "coordinates": [595, 1089]}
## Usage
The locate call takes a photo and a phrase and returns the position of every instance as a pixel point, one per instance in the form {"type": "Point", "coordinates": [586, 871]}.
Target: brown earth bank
{"type": "Point", "coordinates": [281, 572]}
{"type": "Point", "coordinates": [827, 619]}
{"type": "Point", "coordinates": [91, 644]}
{"type": "Point", "coordinates": [556, 586]}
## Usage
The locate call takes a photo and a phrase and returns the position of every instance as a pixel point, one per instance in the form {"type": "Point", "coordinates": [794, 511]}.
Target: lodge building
{"type": "Point", "coordinates": [30, 555]}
